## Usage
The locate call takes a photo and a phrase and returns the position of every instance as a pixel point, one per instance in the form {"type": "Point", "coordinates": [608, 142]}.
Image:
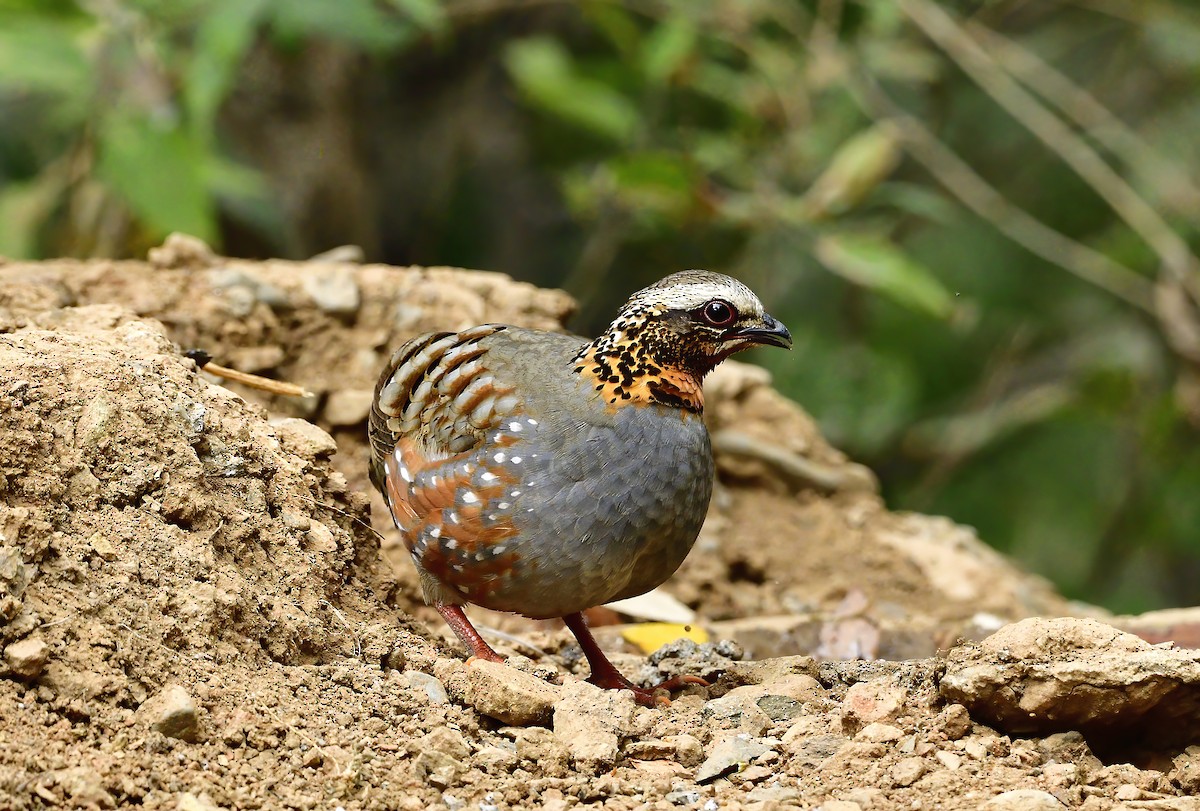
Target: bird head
{"type": "Point", "coordinates": [678, 329]}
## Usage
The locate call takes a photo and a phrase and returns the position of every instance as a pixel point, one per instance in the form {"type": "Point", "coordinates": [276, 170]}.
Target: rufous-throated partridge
{"type": "Point", "coordinates": [542, 474]}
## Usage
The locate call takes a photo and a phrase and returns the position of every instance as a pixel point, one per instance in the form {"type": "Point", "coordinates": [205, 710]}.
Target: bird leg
{"type": "Point", "coordinates": [464, 630]}
{"type": "Point", "coordinates": [606, 675]}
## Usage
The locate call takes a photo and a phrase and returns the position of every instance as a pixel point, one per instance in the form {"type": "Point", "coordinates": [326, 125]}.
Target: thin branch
{"type": "Point", "coordinates": [1173, 252]}
{"type": "Point", "coordinates": [978, 195]}
{"type": "Point", "coordinates": [1086, 111]}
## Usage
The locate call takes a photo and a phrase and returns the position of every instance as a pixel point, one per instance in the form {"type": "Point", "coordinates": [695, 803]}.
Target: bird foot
{"type": "Point", "coordinates": [646, 696]}
{"type": "Point", "coordinates": [485, 656]}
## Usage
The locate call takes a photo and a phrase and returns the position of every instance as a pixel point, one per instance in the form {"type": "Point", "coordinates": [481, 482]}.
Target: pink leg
{"type": "Point", "coordinates": [606, 675]}
{"type": "Point", "coordinates": [464, 630]}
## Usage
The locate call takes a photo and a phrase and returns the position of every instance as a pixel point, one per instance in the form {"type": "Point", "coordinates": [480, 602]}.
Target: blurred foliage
{"type": "Point", "coordinates": [978, 218]}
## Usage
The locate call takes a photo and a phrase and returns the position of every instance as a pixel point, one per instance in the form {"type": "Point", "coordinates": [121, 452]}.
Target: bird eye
{"type": "Point", "coordinates": [718, 313]}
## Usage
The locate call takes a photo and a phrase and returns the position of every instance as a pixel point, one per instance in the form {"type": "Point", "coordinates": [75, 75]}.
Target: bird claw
{"type": "Point", "coordinates": [648, 696]}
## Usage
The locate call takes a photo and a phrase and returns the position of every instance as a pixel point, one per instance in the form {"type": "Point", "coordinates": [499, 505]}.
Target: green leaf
{"type": "Point", "coordinates": [542, 70]}
{"type": "Point", "coordinates": [160, 172]}
{"type": "Point", "coordinates": [860, 164]}
{"type": "Point", "coordinates": [38, 56]}
{"type": "Point", "coordinates": [428, 15]}
{"type": "Point", "coordinates": [359, 22]}
{"type": "Point", "coordinates": [877, 264]}
{"type": "Point", "coordinates": [667, 48]}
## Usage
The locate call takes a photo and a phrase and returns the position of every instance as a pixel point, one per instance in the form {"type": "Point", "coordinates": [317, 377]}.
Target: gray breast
{"type": "Point", "coordinates": [609, 502]}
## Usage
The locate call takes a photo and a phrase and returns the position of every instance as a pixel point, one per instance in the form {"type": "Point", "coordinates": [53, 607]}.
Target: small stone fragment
{"type": "Point", "coordinates": [430, 686]}
{"type": "Point", "coordinates": [948, 759]}
{"type": "Point", "coordinates": [542, 747]}
{"type": "Point", "coordinates": [447, 741]}
{"type": "Point", "coordinates": [907, 771]}
{"type": "Point", "coordinates": [27, 658]}
{"type": "Point", "coordinates": [304, 439]}
{"type": "Point", "coordinates": [1187, 770]}
{"type": "Point", "coordinates": [840, 805]}
{"type": "Point", "coordinates": [196, 802]}
{"type": "Point", "coordinates": [172, 712]}
{"type": "Point", "coordinates": [181, 251]}
{"type": "Point", "coordinates": [334, 289]}
{"type": "Point", "coordinates": [103, 546]}
{"type": "Point", "coordinates": [869, 701]}
{"type": "Point", "coordinates": [1024, 799]}
{"type": "Point", "coordinates": [956, 721]}
{"type": "Point", "coordinates": [879, 733]}
{"type": "Point", "coordinates": [591, 723]}
{"type": "Point", "coordinates": [508, 695]}
{"type": "Point", "coordinates": [780, 708]}
{"type": "Point", "coordinates": [730, 754]}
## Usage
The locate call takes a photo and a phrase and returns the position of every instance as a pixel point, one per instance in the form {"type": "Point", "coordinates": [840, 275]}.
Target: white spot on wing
{"type": "Point", "coordinates": [488, 476]}
{"type": "Point", "coordinates": [516, 460]}
{"type": "Point", "coordinates": [500, 457]}
{"type": "Point", "coordinates": [469, 497]}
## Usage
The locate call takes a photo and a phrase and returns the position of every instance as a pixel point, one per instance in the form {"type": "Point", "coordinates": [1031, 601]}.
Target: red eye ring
{"type": "Point", "coordinates": [719, 313]}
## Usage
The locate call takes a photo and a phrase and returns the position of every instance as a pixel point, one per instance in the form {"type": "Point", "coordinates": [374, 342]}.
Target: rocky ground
{"type": "Point", "coordinates": [202, 605]}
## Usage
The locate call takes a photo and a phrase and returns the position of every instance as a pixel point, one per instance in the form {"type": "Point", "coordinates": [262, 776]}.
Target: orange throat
{"type": "Point", "coordinates": [640, 384]}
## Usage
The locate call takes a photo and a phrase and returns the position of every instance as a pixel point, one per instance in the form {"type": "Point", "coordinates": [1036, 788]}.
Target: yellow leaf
{"type": "Point", "coordinates": [650, 636]}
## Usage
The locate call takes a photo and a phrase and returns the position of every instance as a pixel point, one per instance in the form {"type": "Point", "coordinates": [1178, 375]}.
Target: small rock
{"type": "Point", "coordinates": [780, 708]}
{"type": "Point", "coordinates": [812, 750]}
{"type": "Point", "coordinates": [172, 712]}
{"type": "Point", "coordinates": [955, 721]}
{"type": "Point", "coordinates": [508, 695]}
{"type": "Point", "coordinates": [907, 771]}
{"type": "Point", "coordinates": [1187, 770]}
{"type": "Point", "coordinates": [688, 750]}
{"type": "Point", "coordinates": [869, 701]}
{"type": "Point", "coordinates": [1127, 793]}
{"type": "Point", "coordinates": [430, 686]}
{"type": "Point", "coordinates": [495, 758]}
{"type": "Point", "coordinates": [840, 805]}
{"type": "Point", "coordinates": [195, 802]}
{"type": "Point", "coordinates": [182, 251]}
{"type": "Point", "coordinates": [1024, 799]}
{"type": "Point", "coordinates": [447, 741]}
{"type": "Point", "coordinates": [948, 759]}
{"type": "Point", "coordinates": [103, 547]}
{"type": "Point", "coordinates": [879, 733]}
{"type": "Point", "coordinates": [729, 754]}
{"type": "Point", "coordinates": [334, 289]}
{"type": "Point", "coordinates": [683, 797]}
{"type": "Point", "coordinates": [348, 406]}
{"type": "Point", "coordinates": [739, 708]}
{"type": "Point", "coordinates": [591, 722]}
{"type": "Point", "coordinates": [975, 749]}
{"type": "Point", "coordinates": [27, 658]}
{"type": "Point", "coordinates": [543, 748]}
{"type": "Point", "coordinates": [775, 793]}
{"type": "Point", "coordinates": [651, 749]}
{"type": "Point", "coordinates": [438, 769]}
{"type": "Point", "coordinates": [81, 785]}
{"type": "Point", "coordinates": [304, 439]}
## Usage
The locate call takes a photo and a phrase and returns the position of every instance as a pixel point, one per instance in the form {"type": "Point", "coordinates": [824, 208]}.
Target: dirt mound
{"type": "Point", "coordinates": [194, 612]}
{"type": "Point", "coordinates": [797, 532]}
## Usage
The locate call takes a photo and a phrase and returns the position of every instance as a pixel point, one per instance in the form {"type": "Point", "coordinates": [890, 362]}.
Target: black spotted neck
{"type": "Point", "coordinates": [640, 361]}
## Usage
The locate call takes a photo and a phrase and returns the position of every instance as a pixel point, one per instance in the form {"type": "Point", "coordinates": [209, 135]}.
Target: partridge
{"type": "Point", "coordinates": [541, 474]}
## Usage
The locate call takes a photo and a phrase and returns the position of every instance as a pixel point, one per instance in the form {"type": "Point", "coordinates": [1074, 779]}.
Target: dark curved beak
{"type": "Point", "coordinates": [769, 333]}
